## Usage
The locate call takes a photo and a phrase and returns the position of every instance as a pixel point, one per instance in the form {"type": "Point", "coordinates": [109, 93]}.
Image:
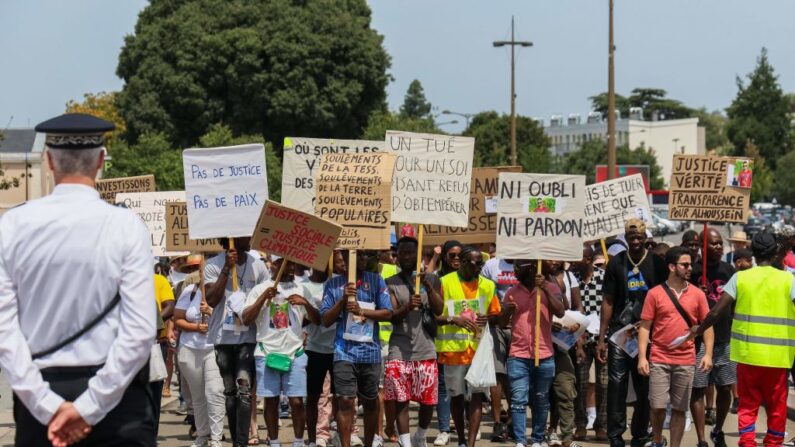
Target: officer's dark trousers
{"type": "Point", "coordinates": [620, 367]}
{"type": "Point", "coordinates": [131, 423]}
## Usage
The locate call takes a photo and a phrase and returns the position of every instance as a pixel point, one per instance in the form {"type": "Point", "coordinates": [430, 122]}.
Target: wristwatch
{"type": "Point", "coordinates": [449, 319]}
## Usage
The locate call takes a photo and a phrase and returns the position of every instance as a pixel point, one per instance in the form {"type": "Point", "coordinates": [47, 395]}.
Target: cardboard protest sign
{"type": "Point", "coordinates": [225, 188]}
{"type": "Point", "coordinates": [177, 239]}
{"type": "Point", "coordinates": [432, 178]}
{"type": "Point", "coordinates": [151, 208]}
{"type": "Point", "coordinates": [482, 228]}
{"type": "Point", "coordinates": [300, 165]}
{"type": "Point", "coordinates": [609, 204]}
{"type": "Point", "coordinates": [108, 188]}
{"type": "Point", "coordinates": [353, 190]}
{"type": "Point", "coordinates": [296, 236]}
{"type": "Point", "coordinates": [540, 216]}
{"type": "Point", "coordinates": [700, 189]}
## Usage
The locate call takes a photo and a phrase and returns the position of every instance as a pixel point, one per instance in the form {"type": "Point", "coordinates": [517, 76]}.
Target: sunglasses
{"type": "Point", "coordinates": [599, 264]}
{"type": "Point", "coordinates": [453, 256]}
{"type": "Point", "coordinates": [686, 265]}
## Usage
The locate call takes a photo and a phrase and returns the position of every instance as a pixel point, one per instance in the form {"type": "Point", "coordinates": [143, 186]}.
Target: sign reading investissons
{"type": "Point", "coordinates": [540, 216]}
{"type": "Point", "coordinates": [108, 188]}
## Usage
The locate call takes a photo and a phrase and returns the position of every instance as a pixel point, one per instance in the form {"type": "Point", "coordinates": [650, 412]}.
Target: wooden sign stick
{"type": "Point", "coordinates": [234, 266]}
{"type": "Point", "coordinates": [604, 251]}
{"type": "Point", "coordinates": [538, 321]}
{"type": "Point", "coordinates": [419, 257]}
{"type": "Point", "coordinates": [352, 271]}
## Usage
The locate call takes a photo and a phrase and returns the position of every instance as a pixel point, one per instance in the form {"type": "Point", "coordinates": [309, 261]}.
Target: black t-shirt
{"type": "Point", "coordinates": [717, 276]}
{"type": "Point", "coordinates": [626, 287]}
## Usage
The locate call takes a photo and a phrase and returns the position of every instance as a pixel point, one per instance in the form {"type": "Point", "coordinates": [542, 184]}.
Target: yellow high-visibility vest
{"type": "Point", "coordinates": [763, 329]}
{"type": "Point", "coordinates": [385, 327]}
{"type": "Point", "coordinates": [449, 337]}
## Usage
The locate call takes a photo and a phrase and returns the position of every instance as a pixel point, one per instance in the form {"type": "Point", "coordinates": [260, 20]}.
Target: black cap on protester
{"type": "Point", "coordinates": [764, 245]}
{"type": "Point", "coordinates": [75, 131]}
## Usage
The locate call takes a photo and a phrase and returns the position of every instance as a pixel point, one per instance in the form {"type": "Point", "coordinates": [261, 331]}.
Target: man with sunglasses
{"type": "Point", "coordinates": [724, 371]}
{"type": "Point", "coordinates": [464, 292]}
{"type": "Point", "coordinates": [672, 308]}
{"type": "Point", "coordinates": [628, 276]}
{"type": "Point", "coordinates": [356, 308]}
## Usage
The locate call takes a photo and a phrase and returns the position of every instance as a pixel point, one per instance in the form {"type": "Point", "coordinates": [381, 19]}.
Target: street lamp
{"type": "Point", "coordinates": [513, 43]}
{"type": "Point", "coordinates": [447, 122]}
{"type": "Point", "coordinates": [467, 116]}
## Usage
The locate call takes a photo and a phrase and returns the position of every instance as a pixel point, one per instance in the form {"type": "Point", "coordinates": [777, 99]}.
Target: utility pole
{"type": "Point", "coordinates": [611, 102]}
{"type": "Point", "coordinates": [513, 43]}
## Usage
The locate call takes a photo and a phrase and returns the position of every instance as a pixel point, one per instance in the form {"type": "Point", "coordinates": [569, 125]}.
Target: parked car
{"type": "Point", "coordinates": [669, 225]}
{"type": "Point", "coordinates": [755, 225]}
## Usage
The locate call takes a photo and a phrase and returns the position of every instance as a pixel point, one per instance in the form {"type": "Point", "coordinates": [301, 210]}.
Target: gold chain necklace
{"type": "Point", "coordinates": [635, 265]}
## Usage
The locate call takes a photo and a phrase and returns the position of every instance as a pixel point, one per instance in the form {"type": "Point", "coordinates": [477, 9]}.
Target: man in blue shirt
{"type": "Point", "coordinates": [357, 308]}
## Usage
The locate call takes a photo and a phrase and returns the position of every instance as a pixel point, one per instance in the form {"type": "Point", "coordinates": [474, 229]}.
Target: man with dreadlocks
{"type": "Point", "coordinates": [762, 339]}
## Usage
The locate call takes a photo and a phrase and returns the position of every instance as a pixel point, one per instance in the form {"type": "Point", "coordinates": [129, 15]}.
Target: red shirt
{"type": "Point", "coordinates": [668, 324]}
{"type": "Point", "coordinates": [523, 323]}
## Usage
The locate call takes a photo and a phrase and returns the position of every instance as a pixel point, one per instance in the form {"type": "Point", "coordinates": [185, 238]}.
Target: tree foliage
{"type": "Point", "coordinates": [414, 103]}
{"type": "Point", "coordinates": [594, 152]}
{"type": "Point", "coordinates": [714, 124]}
{"type": "Point", "coordinates": [784, 188]}
{"type": "Point", "coordinates": [102, 105]}
{"type": "Point", "coordinates": [761, 113]}
{"type": "Point", "coordinates": [492, 133]}
{"type": "Point", "coordinates": [151, 154]}
{"type": "Point", "coordinates": [599, 104]}
{"type": "Point", "coordinates": [271, 68]}
{"type": "Point", "coordinates": [652, 100]}
{"type": "Point", "coordinates": [382, 121]}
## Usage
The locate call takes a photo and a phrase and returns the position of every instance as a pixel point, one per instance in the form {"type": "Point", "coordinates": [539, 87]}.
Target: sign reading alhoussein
{"type": "Point", "coordinates": [710, 189]}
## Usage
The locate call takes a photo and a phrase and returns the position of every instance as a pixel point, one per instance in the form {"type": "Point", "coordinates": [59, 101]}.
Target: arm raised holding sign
{"type": "Point", "coordinates": [215, 289]}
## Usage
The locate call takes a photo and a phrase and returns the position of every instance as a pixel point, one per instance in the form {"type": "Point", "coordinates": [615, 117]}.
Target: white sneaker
{"type": "Point", "coordinates": [442, 438]}
{"type": "Point", "coordinates": [298, 443]}
{"type": "Point", "coordinates": [378, 441]}
{"type": "Point", "coordinates": [357, 441]}
{"type": "Point", "coordinates": [519, 444]}
{"type": "Point", "coordinates": [667, 422]}
{"type": "Point", "coordinates": [477, 436]}
{"type": "Point", "coordinates": [688, 421]}
{"type": "Point", "coordinates": [215, 444]}
{"type": "Point", "coordinates": [201, 441]}
{"type": "Point", "coordinates": [591, 420]}
{"type": "Point", "coordinates": [274, 443]}
{"type": "Point", "coordinates": [540, 444]}
{"type": "Point", "coordinates": [312, 444]}
{"type": "Point", "coordinates": [320, 442]}
{"type": "Point", "coordinates": [554, 439]}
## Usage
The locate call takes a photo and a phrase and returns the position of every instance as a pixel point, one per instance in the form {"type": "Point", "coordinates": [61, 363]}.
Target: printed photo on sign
{"type": "Point", "coordinates": [232, 309]}
{"type": "Point", "coordinates": [740, 173]}
{"type": "Point", "coordinates": [541, 205]}
{"type": "Point", "coordinates": [469, 309]}
{"type": "Point", "coordinates": [359, 328]}
{"type": "Point", "coordinates": [279, 315]}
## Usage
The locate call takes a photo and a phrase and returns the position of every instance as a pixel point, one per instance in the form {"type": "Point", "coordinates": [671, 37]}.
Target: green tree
{"type": "Point", "coordinates": [761, 113]}
{"type": "Point", "coordinates": [271, 68]}
{"type": "Point", "coordinates": [492, 133]}
{"type": "Point", "coordinates": [221, 135]}
{"type": "Point", "coordinates": [654, 102]}
{"type": "Point", "coordinates": [784, 187]}
{"type": "Point", "coordinates": [414, 103]}
{"type": "Point", "coordinates": [599, 104]}
{"type": "Point", "coordinates": [381, 121]}
{"type": "Point", "coordinates": [102, 105]}
{"type": "Point", "coordinates": [152, 154]}
{"type": "Point", "coordinates": [714, 124]}
{"type": "Point", "coordinates": [594, 152]}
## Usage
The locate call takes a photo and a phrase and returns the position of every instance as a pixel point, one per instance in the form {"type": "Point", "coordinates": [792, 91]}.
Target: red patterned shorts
{"type": "Point", "coordinates": [416, 380]}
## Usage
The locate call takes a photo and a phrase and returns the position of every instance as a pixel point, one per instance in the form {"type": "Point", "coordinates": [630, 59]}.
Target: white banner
{"type": "Point", "coordinates": [225, 189]}
{"type": "Point", "coordinates": [609, 204]}
{"type": "Point", "coordinates": [540, 216]}
{"type": "Point", "coordinates": [432, 178]}
{"type": "Point", "coordinates": [301, 163]}
{"type": "Point", "coordinates": [151, 208]}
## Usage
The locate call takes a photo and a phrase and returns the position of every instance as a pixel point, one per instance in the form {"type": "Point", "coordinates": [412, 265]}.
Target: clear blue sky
{"type": "Point", "coordinates": [55, 50]}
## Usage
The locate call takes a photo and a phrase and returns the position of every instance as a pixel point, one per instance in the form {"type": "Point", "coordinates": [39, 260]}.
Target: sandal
{"type": "Point", "coordinates": [254, 440]}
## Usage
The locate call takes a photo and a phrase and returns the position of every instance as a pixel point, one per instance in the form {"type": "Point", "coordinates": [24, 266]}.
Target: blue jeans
{"type": "Point", "coordinates": [529, 380]}
{"type": "Point", "coordinates": [443, 407]}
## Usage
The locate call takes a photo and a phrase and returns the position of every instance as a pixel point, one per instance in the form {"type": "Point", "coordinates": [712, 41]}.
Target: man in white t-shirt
{"type": "Point", "coordinates": [280, 313]}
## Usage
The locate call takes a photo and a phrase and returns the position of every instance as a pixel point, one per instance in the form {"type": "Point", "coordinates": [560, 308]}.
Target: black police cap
{"type": "Point", "coordinates": [75, 131]}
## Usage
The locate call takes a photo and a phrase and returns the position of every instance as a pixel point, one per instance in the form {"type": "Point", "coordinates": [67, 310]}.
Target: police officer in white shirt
{"type": "Point", "coordinates": [77, 306]}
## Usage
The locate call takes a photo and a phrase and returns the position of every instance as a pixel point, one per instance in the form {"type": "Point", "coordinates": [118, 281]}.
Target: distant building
{"type": "Point", "coordinates": [21, 154]}
{"type": "Point", "coordinates": [666, 137]}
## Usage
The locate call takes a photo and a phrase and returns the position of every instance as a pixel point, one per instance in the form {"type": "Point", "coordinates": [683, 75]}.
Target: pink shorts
{"type": "Point", "coordinates": [416, 380]}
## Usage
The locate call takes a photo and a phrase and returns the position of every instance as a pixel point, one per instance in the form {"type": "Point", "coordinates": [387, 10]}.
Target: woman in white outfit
{"type": "Point", "coordinates": [197, 364]}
